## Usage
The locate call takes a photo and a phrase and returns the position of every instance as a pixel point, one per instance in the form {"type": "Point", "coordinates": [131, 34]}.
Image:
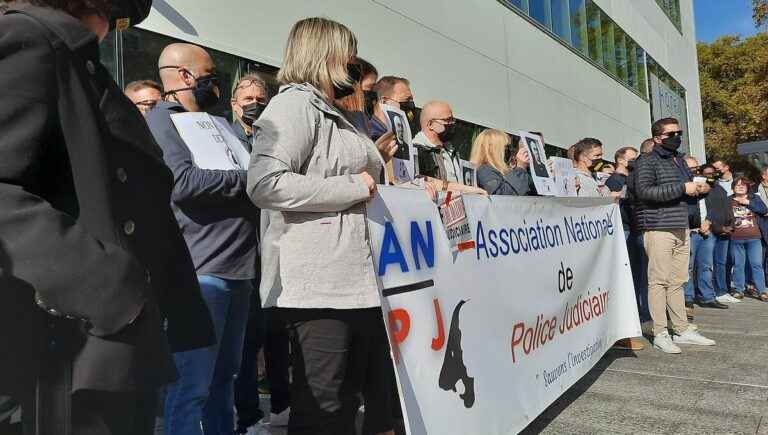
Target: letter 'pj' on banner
{"type": "Point", "coordinates": [470, 357]}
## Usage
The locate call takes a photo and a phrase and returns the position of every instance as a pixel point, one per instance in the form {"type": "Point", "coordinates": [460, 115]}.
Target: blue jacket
{"type": "Point", "coordinates": [514, 182]}
{"type": "Point", "coordinates": [218, 221]}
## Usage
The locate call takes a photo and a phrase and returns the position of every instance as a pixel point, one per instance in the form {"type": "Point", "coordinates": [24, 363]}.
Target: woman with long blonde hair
{"type": "Point", "coordinates": [494, 172]}
{"type": "Point", "coordinates": [311, 173]}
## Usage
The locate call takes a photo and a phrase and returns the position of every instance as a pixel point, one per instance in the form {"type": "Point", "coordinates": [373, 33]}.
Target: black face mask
{"type": "Point", "coordinates": [672, 143]}
{"type": "Point", "coordinates": [204, 90]}
{"type": "Point", "coordinates": [126, 13]}
{"type": "Point", "coordinates": [408, 106]}
{"type": "Point", "coordinates": [251, 112]}
{"type": "Point", "coordinates": [447, 134]}
{"type": "Point", "coordinates": [355, 75]}
{"type": "Point", "coordinates": [370, 101]}
{"type": "Point", "coordinates": [410, 110]}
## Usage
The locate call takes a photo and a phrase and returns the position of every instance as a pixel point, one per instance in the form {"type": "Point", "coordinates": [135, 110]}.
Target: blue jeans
{"type": "Point", "coordinates": [638, 262]}
{"type": "Point", "coordinates": [748, 252]}
{"type": "Point", "coordinates": [700, 268]}
{"type": "Point", "coordinates": [204, 391]}
{"type": "Point", "coordinates": [722, 265]}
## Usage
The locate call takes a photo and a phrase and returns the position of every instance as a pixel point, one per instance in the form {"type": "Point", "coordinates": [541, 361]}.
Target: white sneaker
{"type": "Point", "coordinates": [727, 299]}
{"type": "Point", "coordinates": [664, 343]}
{"type": "Point", "coordinates": [693, 337]}
{"type": "Point", "coordinates": [281, 419]}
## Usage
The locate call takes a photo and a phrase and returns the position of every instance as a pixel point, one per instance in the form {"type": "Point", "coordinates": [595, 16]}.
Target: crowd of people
{"type": "Point", "coordinates": [153, 272]}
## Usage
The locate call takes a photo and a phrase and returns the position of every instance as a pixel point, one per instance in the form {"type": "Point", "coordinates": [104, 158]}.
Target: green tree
{"type": "Point", "coordinates": [734, 91]}
{"type": "Point", "coordinates": [760, 12]}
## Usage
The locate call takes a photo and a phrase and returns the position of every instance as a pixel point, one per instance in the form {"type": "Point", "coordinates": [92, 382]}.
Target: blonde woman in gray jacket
{"type": "Point", "coordinates": [311, 173]}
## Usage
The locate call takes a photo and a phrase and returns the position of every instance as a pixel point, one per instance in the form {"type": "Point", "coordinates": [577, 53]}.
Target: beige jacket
{"type": "Point", "coordinates": [304, 175]}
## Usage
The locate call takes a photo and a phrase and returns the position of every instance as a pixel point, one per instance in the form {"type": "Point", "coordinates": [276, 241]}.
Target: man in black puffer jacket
{"type": "Point", "coordinates": [661, 187]}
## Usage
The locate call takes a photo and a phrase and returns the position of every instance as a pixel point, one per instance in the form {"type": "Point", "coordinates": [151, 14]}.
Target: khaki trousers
{"type": "Point", "coordinates": [668, 255]}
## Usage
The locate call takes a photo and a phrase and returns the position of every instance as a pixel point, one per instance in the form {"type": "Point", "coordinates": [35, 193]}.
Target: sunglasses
{"type": "Point", "coordinates": [673, 133]}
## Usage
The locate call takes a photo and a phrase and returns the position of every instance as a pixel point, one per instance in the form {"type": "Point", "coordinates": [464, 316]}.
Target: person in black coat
{"type": "Point", "coordinates": [92, 262]}
{"type": "Point", "coordinates": [662, 189]}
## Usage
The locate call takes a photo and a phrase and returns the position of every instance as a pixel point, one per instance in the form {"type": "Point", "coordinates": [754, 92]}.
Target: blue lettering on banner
{"type": "Point", "coordinates": [540, 235]}
{"type": "Point", "coordinates": [427, 247]}
{"type": "Point", "coordinates": [421, 246]}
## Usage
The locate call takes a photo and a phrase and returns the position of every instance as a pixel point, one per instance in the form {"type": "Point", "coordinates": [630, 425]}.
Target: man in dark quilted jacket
{"type": "Point", "coordinates": [662, 188]}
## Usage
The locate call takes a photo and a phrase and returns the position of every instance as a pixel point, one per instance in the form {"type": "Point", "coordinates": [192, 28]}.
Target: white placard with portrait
{"type": "Point", "coordinates": [404, 160]}
{"type": "Point", "coordinates": [565, 177]}
{"type": "Point", "coordinates": [542, 177]}
{"type": "Point", "coordinates": [211, 141]}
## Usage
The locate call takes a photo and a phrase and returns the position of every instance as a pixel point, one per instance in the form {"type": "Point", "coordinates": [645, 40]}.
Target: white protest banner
{"type": "Point", "coordinates": [542, 179]}
{"type": "Point", "coordinates": [485, 339]}
{"type": "Point", "coordinates": [403, 162]}
{"type": "Point", "coordinates": [564, 176]}
{"type": "Point", "coordinates": [211, 141]}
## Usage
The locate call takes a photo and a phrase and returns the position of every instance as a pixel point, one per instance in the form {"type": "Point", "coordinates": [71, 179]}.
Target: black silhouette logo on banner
{"type": "Point", "coordinates": [453, 369]}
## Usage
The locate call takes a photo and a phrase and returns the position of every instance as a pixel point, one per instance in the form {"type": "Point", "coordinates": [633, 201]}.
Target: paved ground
{"type": "Point", "coordinates": [713, 390]}
{"type": "Point", "coordinates": [705, 390]}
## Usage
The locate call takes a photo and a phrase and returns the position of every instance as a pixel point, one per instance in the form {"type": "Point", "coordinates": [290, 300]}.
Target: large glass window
{"type": "Point", "coordinates": [594, 32]}
{"type": "Point", "coordinates": [620, 47]}
{"type": "Point", "coordinates": [561, 19]}
{"type": "Point", "coordinates": [578, 13]}
{"type": "Point", "coordinates": [672, 9]}
{"type": "Point", "coordinates": [609, 50]}
{"type": "Point", "coordinates": [583, 26]}
{"type": "Point", "coordinates": [667, 97]}
{"type": "Point", "coordinates": [540, 11]}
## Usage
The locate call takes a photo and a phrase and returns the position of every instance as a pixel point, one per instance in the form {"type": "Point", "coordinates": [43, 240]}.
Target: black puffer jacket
{"type": "Point", "coordinates": [657, 188]}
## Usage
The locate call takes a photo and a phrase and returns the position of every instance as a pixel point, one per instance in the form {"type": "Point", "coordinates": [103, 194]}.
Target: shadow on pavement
{"type": "Point", "coordinates": [553, 411]}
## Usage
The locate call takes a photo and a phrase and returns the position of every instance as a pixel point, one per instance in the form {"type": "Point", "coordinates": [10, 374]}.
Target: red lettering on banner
{"type": "Point", "coordinates": [439, 341]}
{"type": "Point", "coordinates": [400, 322]}
{"type": "Point", "coordinates": [399, 326]}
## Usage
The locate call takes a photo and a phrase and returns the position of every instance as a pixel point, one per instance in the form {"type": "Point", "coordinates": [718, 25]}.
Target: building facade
{"type": "Point", "coordinates": [567, 68]}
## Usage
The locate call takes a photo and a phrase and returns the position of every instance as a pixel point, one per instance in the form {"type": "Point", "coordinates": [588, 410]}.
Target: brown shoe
{"type": "Point", "coordinates": [629, 344]}
{"type": "Point", "coordinates": [763, 297]}
{"type": "Point", "coordinates": [737, 295]}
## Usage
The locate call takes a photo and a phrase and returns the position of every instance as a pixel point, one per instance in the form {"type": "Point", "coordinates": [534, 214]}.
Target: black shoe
{"type": "Point", "coordinates": [714, 304]}
{"type": "Point", "coordinates": [688, 304]}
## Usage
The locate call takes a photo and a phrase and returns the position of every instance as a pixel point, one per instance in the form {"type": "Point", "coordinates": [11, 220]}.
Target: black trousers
{"type": "Point", "coordinates": [338, 356]}
{"type": "Point", "coordinates": [265, 330]}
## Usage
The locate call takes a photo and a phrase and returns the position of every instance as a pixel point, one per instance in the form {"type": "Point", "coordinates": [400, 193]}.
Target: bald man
{"type": "Point", "coordinates": [437, 158]}
{"type": "Point", "coordinates": [220, 227]}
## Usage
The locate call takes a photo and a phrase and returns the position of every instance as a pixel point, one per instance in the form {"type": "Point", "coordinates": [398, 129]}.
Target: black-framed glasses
{"type": "Point", "coordinates": [206, 79]}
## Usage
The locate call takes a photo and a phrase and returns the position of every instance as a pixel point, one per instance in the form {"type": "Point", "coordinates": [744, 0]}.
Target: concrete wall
{"type": "Point", "coordinates": [492, 65]}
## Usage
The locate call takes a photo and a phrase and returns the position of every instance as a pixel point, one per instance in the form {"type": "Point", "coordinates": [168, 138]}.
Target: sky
{"type": "Point", "coordinates": [715, 18]}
